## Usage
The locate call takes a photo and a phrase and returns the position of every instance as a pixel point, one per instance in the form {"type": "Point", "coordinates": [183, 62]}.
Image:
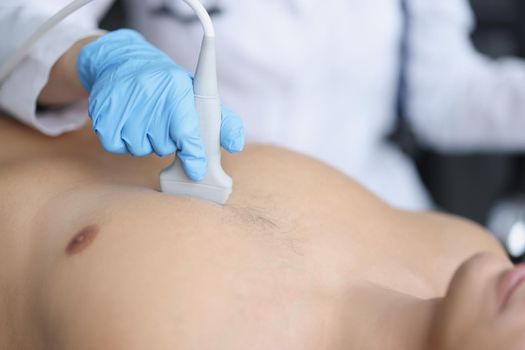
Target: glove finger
{"type": "Point", "coordinates": [160, 142]}
{"type": "Point", "coordinates": [193, 157]}
{"type": "Point", "coordinates": [136, 146]}
{"type": "Point", "coordinates": [134, 135]}
{"type": "Point", "coordinates": [158, 134]}
{"type": "Point", "coordinates": [104, 126]}
{"type": "Point", "coordinates": [232, 131]}
{"type": "Point", "coordinates": [185, 133]}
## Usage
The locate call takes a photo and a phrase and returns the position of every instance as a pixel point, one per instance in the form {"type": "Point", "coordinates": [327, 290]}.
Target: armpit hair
{"type": "Point", "coordinates": [270, 227]}
{"type": "Point", "coordinates": [256, 216]}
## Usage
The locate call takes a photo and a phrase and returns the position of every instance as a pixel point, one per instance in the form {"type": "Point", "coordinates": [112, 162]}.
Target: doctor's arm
{"type": "Point", "coordinates": [457, 99]}
{"type": "Point", "coordinates": [63, 86]}
{"type": "Point", "coordinates": [22, 91]}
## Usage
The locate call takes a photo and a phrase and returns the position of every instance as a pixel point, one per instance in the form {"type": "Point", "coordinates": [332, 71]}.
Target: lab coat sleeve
{"type": "Point", "coordinates": [20, 91]}
{"type": "Point", "coordinates": [457, 99]}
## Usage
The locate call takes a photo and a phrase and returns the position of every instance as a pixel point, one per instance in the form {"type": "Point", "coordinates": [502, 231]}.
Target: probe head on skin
{"type": "Point", "coordinates": [217, 185]}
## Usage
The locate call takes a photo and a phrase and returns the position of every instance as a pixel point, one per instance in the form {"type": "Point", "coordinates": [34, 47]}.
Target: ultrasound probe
{"type": "Point", "coordinates": [217, 185]}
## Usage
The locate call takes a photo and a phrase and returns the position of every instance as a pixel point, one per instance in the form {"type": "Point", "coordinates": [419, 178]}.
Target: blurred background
{"type": "Point", "coordinates": [472, 185]}
{"type": "Point", "coordinates": [487, 188]}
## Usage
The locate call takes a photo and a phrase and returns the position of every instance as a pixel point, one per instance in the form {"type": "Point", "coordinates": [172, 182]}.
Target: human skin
{"type": "Point", "coordinates": [63, 86]}
{"type": "Point", "coordinates": [484, 308]}
{"type": "Point", "coordinates": [300, 257]}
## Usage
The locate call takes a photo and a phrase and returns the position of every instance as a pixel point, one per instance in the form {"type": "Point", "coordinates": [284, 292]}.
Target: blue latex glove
{"type": "Point", "coordinates": [142, 102]}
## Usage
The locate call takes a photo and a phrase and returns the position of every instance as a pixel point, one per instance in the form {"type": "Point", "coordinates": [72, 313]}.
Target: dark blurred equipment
{"type": "Point", "coordinates": [501, 27]}
{"type": "Point", "coordinates": [115, 18]}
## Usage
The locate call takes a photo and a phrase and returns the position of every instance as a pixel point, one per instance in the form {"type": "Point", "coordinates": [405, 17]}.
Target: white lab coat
{"type": "Point", "coordinates": [318, 77]}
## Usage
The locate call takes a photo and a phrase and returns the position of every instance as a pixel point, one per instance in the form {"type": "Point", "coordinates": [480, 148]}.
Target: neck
{"type": "Point", "coordinates": [375, 318]}
{"type": "Point", "coordinates": [407, 325]}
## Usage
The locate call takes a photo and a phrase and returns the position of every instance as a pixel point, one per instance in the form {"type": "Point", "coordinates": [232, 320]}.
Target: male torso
{"type": "Point", "coordinates": [162, 272]}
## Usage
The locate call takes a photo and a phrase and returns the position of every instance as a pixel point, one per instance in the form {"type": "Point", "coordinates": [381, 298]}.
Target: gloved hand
{"type": "Point", "coordinates": [142, 102]}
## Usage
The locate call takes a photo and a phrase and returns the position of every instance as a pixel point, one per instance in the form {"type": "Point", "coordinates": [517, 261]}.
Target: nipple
{"type": "Point", "coordinates": [82, 240]}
